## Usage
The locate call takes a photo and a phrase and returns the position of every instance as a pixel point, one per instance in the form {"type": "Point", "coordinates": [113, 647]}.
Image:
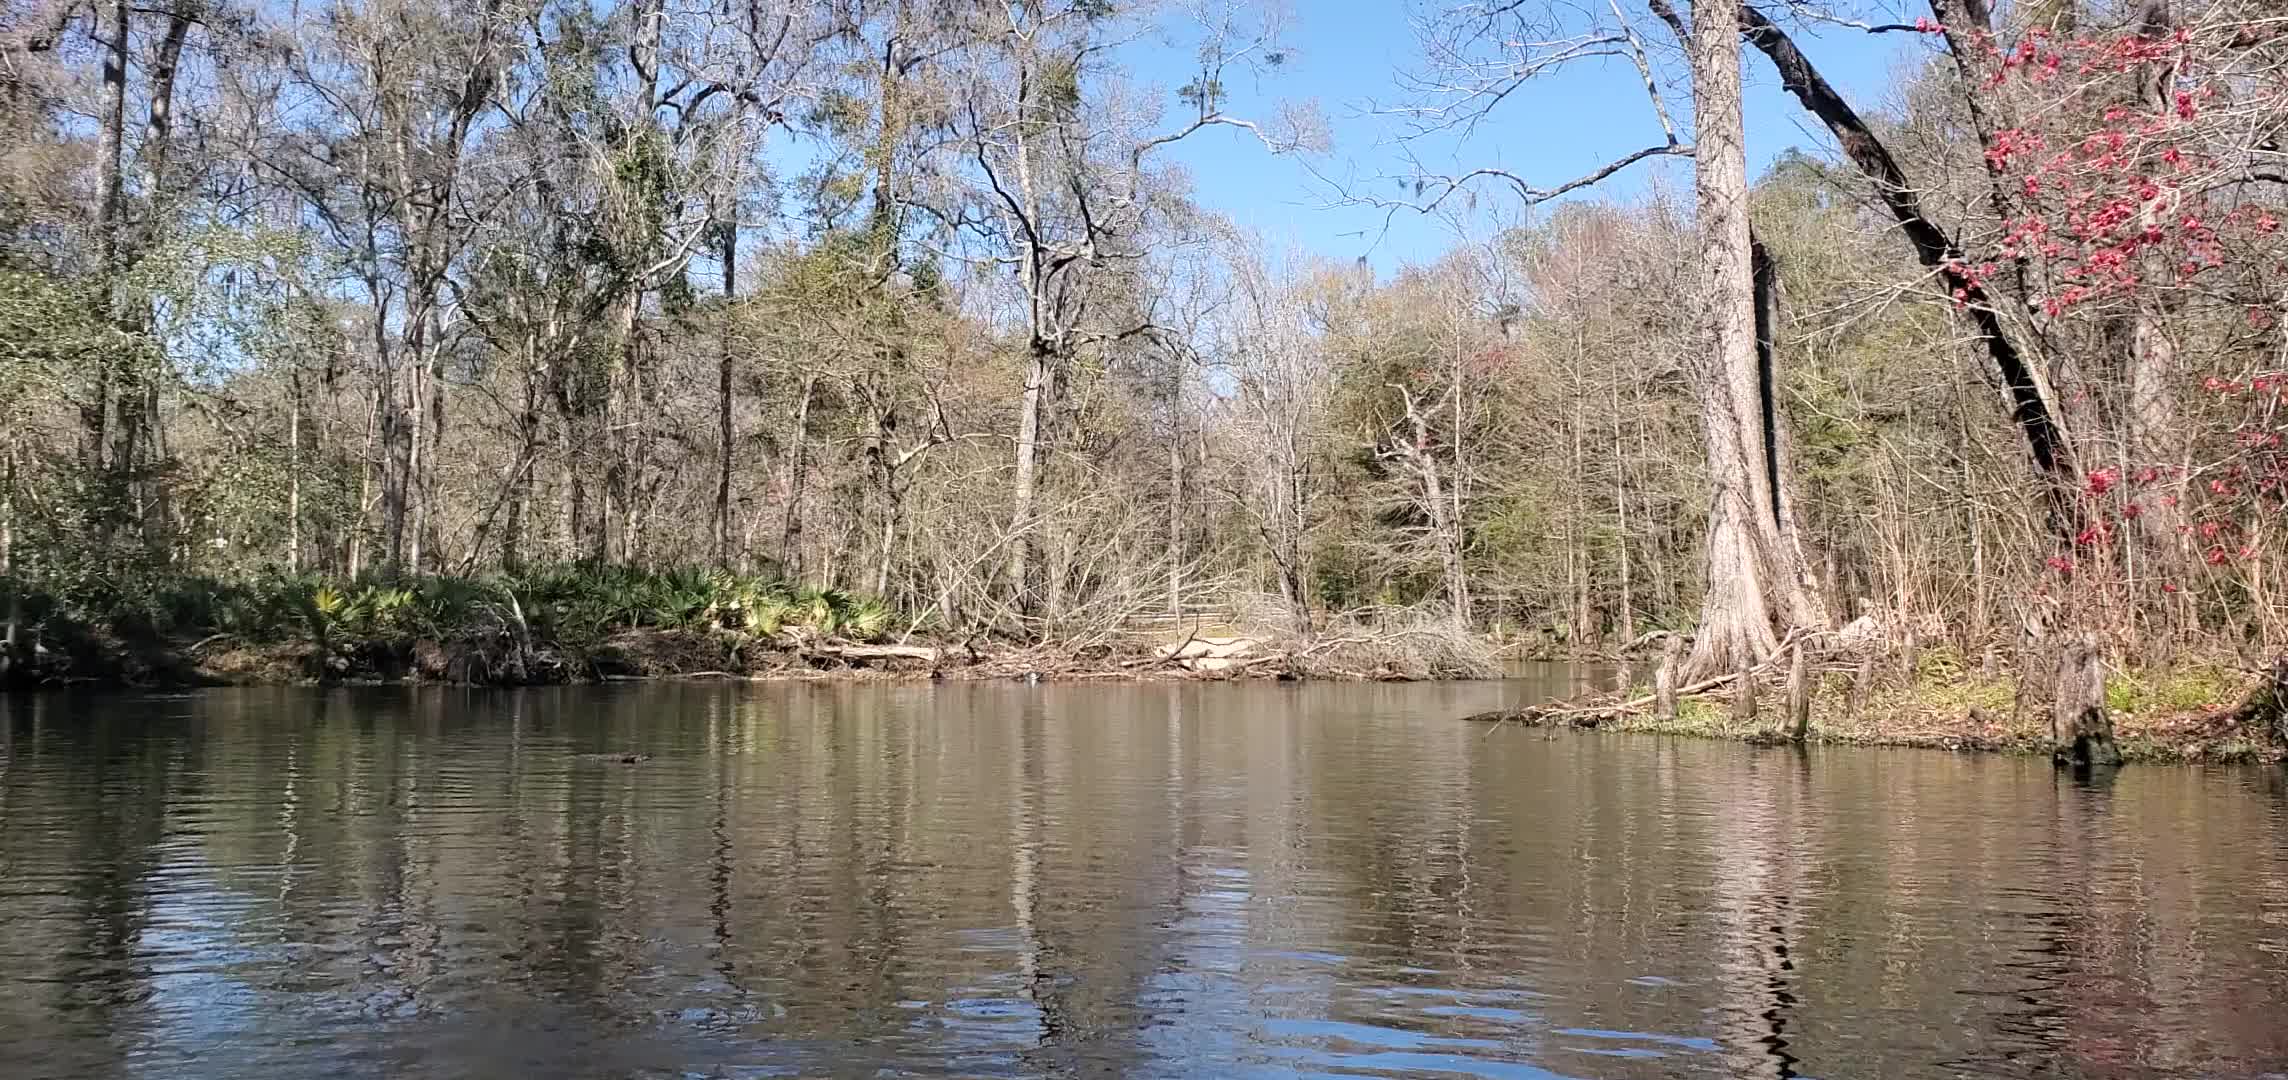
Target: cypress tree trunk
{"type": "Point", "coordinates": [1756, 581]}
{"type": "Point", "coordinates": [2080, 726]}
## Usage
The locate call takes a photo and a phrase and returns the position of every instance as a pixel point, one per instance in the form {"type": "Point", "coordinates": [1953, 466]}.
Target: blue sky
{"type": "Point", "coordinates": [1346, 54]}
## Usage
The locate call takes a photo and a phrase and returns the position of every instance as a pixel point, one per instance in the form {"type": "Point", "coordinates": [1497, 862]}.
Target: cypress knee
{"type": "Point", "coordinates": [1862, 682]}
{"type": "Point", "coordinates": [2079, 724]}
{"type": "Point", "coordinates": [1799, 695]}
{"type": "Point", "coordinates": [1664, 679]}
{"type": "Point", "coordinates": [1744, 694]}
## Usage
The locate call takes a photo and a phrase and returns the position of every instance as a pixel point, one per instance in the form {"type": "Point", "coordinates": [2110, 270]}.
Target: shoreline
{"type": "Point", "coordinates": [2186, 716]}
{"type": "Point", "coordinates": [2194, 715]}
{"type": "Point", "coordinates": [651, 654]}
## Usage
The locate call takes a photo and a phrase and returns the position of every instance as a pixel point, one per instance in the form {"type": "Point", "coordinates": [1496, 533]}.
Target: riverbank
{"type": "Point", "coordinates": [2200, 713]}
{"type": "Point", "coordinates": [649, 653]}
{"type": "Point", "coordinates": [584, 624]}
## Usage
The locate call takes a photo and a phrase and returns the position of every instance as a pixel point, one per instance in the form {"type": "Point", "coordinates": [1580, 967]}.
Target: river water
{"type": "Point", "coordinates": [1096, 880]}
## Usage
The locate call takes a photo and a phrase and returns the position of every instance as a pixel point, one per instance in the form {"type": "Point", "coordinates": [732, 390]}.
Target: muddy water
{"type": "Point", "coordinates": [1156, 881]}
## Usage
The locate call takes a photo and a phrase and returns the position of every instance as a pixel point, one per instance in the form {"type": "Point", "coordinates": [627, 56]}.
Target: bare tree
{"type": "Point", "coordinates": [1064, 193]}
{"type": "Point", "coordinates": [1266, 345]}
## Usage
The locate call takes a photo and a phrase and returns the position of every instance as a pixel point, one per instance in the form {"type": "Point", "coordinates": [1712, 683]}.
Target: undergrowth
{"type": "Point", "coordinates": [569, 604]}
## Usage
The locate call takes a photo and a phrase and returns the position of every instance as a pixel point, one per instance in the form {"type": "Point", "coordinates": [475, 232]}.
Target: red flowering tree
{"type": "Point", "coordinates": [2116, 257]}
{"type": "Point", "coordinates": [2137, 205]}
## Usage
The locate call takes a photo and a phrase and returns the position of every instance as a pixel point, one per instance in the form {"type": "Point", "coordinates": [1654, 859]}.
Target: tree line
{"type": "Point", "coordinates": [909, 298]}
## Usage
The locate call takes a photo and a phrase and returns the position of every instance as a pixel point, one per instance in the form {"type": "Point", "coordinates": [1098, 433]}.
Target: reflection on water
{"type": "Point", "coordinates": [1166, 880]}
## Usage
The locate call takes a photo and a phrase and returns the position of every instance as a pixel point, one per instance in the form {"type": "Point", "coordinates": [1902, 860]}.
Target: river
{"type": "Point", "coordinates": [1214, 880]}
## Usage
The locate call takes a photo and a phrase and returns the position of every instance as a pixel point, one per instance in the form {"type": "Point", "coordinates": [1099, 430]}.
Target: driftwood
{"type": "Point", "coordinates": [1590, 715]}
{"type": "Point", "coordinates": [1642, 640]}
{"type": "Point", "coordinates": [870, 653]}
{"type": "Point", "coordinates": [1212, 654]}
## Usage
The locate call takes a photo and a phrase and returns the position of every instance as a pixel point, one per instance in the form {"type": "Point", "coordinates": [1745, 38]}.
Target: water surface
{"type": "Point", "coordinates": [1151, 881]}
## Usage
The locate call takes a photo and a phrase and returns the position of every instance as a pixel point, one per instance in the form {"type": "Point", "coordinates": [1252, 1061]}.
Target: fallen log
{"type": "Point", "coordinates": [866, 653]}
{"type": "Point", "coordinates": [1598, 711]}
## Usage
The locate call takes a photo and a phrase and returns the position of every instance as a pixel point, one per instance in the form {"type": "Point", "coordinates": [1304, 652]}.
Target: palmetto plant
{"type": "Point", "coordinates": [822, 610]}
{"type": "Point", "coordinates": [770, 614]}
{"type": "Point", "coordinates": [570, 604]}
{"type": "Point", "coordinates": [867, 619]}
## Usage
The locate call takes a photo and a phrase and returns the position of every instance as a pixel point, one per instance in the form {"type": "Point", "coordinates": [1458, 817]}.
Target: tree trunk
{"type": "Point", "coordinates": [1448, 529]}
{"type": "Point", "coordinates": [576, 525]}
{"type": "Point", "coordinates": [890, 511]}
{"type": "Point", "coordinates": [110, 220]}
{"type": "Point", "coordinates": [2155, 436]}
{"type": "Point", "coordinates": [396, 467]}
{"type": "Point", "coordinates": [354, 558]}
{"type": "Point", "coordinates": [1040, 373]}
{"type": "Point", "coordinates": [613, 432]}
{"type": "Point", "coordinates": [520, 485]}
{"type": "Point", "coordinates": [8, 510]}
{"type": "Point", "coordinates": [9, 621]}
{"type": "Point", "coordinates": [134, 385]}
{"type": "Point", "coordinates": [1577, 561]}
{"type": "Point", "coordinates": [798, 479]}
{"type": "Point", "coordinates": [724, 433]}
{"type": "Point", "coordinates": [1175, 489]}
{"type": "Point", "coordinates": [1457, 569]}
{"type": "Point", "coordinates": [1809, 597]}
{"type": "Point", "coordinates": [1664, 678]}
{"type": "Point", "coordinates": [294, 473]}
{"type": "Point", "coordinates": [1295, 582]}
{"type": "Point", "coordinates": [624, 419]}
{"type": "Point", "coordinates": [1628, 613]}
{"type": "Point", "coordinates": [2033, 401]}
{"type": "Point", "coordinates": [417, 456]}
{"type": "Point", "coordinates": [1755, 583]}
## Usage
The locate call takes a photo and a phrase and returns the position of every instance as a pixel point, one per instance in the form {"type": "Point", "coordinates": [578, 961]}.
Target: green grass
{"type": "Point", "coordinates": [2181, 689]}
